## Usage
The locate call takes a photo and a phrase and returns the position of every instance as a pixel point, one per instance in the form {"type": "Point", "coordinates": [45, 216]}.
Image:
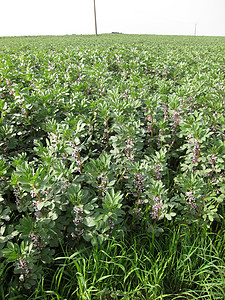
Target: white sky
{"type": "Point", "coordinates": [59, 17]}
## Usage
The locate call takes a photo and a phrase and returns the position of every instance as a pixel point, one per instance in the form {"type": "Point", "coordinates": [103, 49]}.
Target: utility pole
{"type": "Point", "coordinates": [195, 29]}
{"type": "Point", "coordinates": [96, 33]}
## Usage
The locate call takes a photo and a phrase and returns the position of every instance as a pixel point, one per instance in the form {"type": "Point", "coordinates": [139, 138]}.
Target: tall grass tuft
{"type": "Point", "coordinates": [183, 263]}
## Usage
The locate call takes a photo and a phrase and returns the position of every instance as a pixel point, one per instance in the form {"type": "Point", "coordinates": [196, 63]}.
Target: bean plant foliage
{"type": "Point", "coordinates": [107, 136]}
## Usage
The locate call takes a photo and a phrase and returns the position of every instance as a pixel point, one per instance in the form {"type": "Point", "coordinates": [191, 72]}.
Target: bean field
{"type": "Point", "coordinates": [103, 140]}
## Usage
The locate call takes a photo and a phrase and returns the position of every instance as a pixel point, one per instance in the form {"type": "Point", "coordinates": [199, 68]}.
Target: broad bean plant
{"type": "Point", "coordinates": [102, 137]}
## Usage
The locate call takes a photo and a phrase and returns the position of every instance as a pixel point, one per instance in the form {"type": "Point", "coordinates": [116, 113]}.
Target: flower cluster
{"type": "Point", "coordinates": [196, 148]}
{"type": "Point", "coordinates": [136, 211]}
{"type": "Point", "coordinates": [138, 208]}
{"type": "Point", "coordinates": [156, 172]}
{"type": "Point", "coordinates": [22, 265]}
{"type": "Point", "coordinates": [77, 221]}
{"type": "Point", "coordinates": [166, 114]}
{"type": "Point", "coordinates": [156, 207]}
{"type": "Point", "coordinates": [103, 184]}
{"type": "Point", "coordinates": [36, 240]}
{"type": "Point", "coordinates": [106, 130]}
{"type": "Point", "coordinates": [139, 182]}
{"type": "Point", "coordinates": [149, 120]}
{"type": "Point", "coordinates": [76, 155]}
{"type": "Point", "coordinates": [16, 193]}
{"type": "Point", "coordinates": [129, 150]}
{"type": "Point", "coordinates": [33, 193]}
{"type": "Point", "coordinates": [190, 199]}
{"type": "Point", "coordinates": [176, 121]}
{"type": "Point", "coordinates": [111, 225]}
{"type": "Point", "coordinates": [212, 161]}
{"type": "Point", "coordinates": [37, 213]}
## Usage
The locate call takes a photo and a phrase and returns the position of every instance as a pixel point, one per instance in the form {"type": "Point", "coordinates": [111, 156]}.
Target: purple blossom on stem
{"type": "Point", "coordinates": [175, 115]}
{"type": "Point", "coordinates": [176, 121]}
{"type": "Point", "coordinates": [139, 182]}
{"type": "Point", "coordinates": [157, 199]}
{"type": "Point", "coordinates": [36, 240]}
{"type": "Point", "coordinates": [103, 184]}
{"type": "Point", "coordinates": [156, 172]}
{"type": "Point", "coordinates": [156, 207]}
{"type": "Point", "coordinates": [129, 150]}
{"type": "Point", "coordinates": [78, 215]}
{"type": "Point", "coordinates": [140, 202]}
{"type": "Point", "coordinates": [33, 193]}
{"type": "Point", "coordinates": [77, 220]}
{"type": "Point", "coordinates": [37, 213]}
{"type": "Point", "coordinates": [212, 162]}
{"type": "Point", "coordinates": [190, 200]}
{"type": "Point", "coordinates": [136, 211]}
{"type": "Point", "coordinates": [78, 210]}
{"type": "Point", "coordinates": [166, 116]}
{"type": "Point", "coordinates": [111, 223]}
{"type": "Point", "coordinates": [196, 150]}
{"type": "Point", "coordinates": [22, 264]}
{"type": "Point", "coordinates": [149, 118]}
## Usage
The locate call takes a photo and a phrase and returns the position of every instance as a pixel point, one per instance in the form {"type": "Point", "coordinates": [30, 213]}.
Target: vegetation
{"type": "Point", "coordinates": [112, 167]}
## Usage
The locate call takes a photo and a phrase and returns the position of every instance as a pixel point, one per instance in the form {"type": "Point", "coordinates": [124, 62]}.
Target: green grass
{"type": "Point", "coordinates": [183, 263]}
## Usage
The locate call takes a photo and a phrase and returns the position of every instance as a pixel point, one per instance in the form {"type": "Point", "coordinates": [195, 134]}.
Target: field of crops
{"type": "Point", "coordinates": [104, 138]}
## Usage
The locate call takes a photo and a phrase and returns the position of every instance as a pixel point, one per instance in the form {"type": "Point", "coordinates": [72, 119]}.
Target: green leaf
{"type": "Point", "coordinates": [25, 226]}
{"type": "Point", "coordinates": [12, 252]}
{"type": "Point", "coordinates": [168, 216]}
{"type": "Point", "coordinates": [89, 221]}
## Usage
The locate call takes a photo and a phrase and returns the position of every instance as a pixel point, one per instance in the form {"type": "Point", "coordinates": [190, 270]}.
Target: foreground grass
{"type": "Point", "coordinates": [183, 263]}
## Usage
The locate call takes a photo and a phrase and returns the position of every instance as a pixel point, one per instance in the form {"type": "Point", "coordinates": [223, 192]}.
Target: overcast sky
{"type": "Point", "coordinates": [59, 17]}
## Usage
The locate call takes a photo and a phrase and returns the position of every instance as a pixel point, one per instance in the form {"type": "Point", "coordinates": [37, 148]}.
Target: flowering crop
{"type": "Point", "coordinates": [100, 138]}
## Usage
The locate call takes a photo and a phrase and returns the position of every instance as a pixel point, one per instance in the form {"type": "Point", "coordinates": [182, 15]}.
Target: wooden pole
{"type": "Point", "coordinates": [96, 33]}
{"type": "Point", "coordinates": [195, 29]}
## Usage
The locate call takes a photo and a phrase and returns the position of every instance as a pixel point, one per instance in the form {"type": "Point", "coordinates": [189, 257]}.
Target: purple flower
{"type": "Point", "coordinates": [149, 118]}
{"type": "Point", "coordinates": [154, 215]}
{"type": "Point", "coordinates": [177, 121]}
{"type": "Point", "coordinates": [157, 199]}
{"type": "Point", "coordinates": [79, 231]}
{"type": "Point", "coordinates": [140, 202]}
{"type": "Point", "coordinates": [37, 213]}
{"type": "Point", "coordinates": [156, 207]}
{"type": "Point", "coordinates": [191, 199]}
{"type": "Point", "coordinates": [214, 158]}
{"type": "Point", "coordinates": [159, 176]}
{"type": "Point", "coordinates": [111, 223]}
{"type": "Point", "coordinates": [78, 210]}
{"type": "Point", "coordinates": [36, 240]}
{"type": "Point", "coordinates": [137, 211]}
{"type": "Point", "coordinates": [156, 172]}
{"type": "Point", "coordinates": [175, 115]}
{"type": "Point", "coordinates": [22, 264]}
{"type": "Point", "coordinates": [188, 194]}
{"type": "Point", "coordinates": [139, 182]}
{"type": "Point", "coordinates": [77, 220]}
{"type": "Point", "coordinates": [33, 193]}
